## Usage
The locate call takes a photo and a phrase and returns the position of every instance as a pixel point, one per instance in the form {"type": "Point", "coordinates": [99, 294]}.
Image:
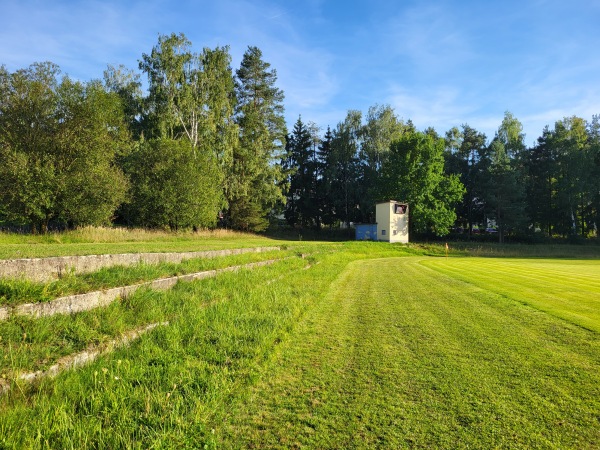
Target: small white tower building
{"type": "Point", "coordinates": [392, 221]}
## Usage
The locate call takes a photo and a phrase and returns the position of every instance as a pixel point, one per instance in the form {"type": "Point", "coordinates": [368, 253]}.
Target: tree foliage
{"type": "Point", "coordinates": [256, 176]}
{"type": "Point", "coordinates": [345, 188]}
{"type": "Point", "coordinates": [562, 169]}
{"type": "Point", "coordinates": [467, 155]}
{"type": "Point", "coordinates": [58, 144]}
{"type": "Point", "coordinates": [414, 173]}
{"type": "Point", "coordinates": [172, 186]}
{"type": "Point", "coordinates": [302, 207]}
{"type": "Point", "coordinates": [190, 95]}
{"type": "Point", "coordinates": [203, 143]}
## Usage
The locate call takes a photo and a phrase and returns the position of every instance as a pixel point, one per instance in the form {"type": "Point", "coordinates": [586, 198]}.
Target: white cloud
{"type": "Point", "coordinates": [440, 64]}
{"type": "Point", "coordinates": [82, 37]}
{"type": "Point", "coordinates": [305, 72]}
{"type": "Point", "coordinates": [441, 107]}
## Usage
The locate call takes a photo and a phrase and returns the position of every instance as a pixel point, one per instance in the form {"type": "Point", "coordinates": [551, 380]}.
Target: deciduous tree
{"type": "Point", "coordinates": [58, 143]}
{"type": "Point", "coordinates": [172, 186]}
{"type": "Point", "coordinates": [414, 172]}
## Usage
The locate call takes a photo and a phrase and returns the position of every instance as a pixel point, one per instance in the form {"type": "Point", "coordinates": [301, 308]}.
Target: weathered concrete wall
{"type": "Point", "coordinates": [47, 269]}
{"type": "Point", "coordinates": [84, 302]}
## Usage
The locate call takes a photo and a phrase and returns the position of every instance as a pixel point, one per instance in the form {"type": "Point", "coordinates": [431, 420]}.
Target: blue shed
{"type": "Point", "coordinates": [366, 231]}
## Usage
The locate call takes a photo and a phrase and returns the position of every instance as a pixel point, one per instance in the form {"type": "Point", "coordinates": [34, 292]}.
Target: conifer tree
{"type": "Point", "coordinates": [346, 188]}
{"type": "Point", "coordinates": [467, 156]}
{"type": "Point", "coordinates": [502, 188]}
{"type": "Point", "coordinates": [256, 177]}
{"type": "Point", "coordinates": [326, 179]}
{"type": "Point", "coordinates": [301, 204]}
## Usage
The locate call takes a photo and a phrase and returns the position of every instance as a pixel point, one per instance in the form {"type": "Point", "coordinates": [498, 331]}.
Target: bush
{"type": "Point", "coordinates": [173, 186]}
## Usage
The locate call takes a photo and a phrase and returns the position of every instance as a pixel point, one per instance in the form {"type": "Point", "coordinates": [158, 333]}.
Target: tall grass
{"type": "Point", "coordinates": [94, 240]}
{"type": "Point", "coordinates": [524, 250]}
{"type": "Point", "coordinates": [118, 234]}
{"type": "Point", "coordinates": [17, 291]}
{"type": "Point", "coordinates": [163, 390]}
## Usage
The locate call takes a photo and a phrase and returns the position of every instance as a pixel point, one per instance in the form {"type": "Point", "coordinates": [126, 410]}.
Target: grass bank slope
{"type": "Point", "coordinates": [176, 385]}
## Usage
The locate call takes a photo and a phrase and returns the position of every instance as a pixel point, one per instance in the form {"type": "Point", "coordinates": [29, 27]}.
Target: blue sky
{"type": "Point", "coordinates": [439, 63]}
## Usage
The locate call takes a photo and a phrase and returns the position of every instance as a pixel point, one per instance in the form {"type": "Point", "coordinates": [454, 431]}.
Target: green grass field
{"type": "Point", "coordinates": [355, 345]}
{"type": "Point", "coordinates": [400, 356]}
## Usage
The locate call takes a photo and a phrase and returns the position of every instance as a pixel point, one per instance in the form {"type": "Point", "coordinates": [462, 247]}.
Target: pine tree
{"type": "Point", "coordinates": [594, 156]}
{"type": "Point", "coordinates": [256, 177]}
{"type": "Point", "coordinates": [345, 168]}
{"type": "Point", "coordinates": [301, 208]}
{"type": "Point", "coordinates": [505, 194]}
{"type": "Point", "coordinates": [501, 186]}
{"type": "Point", "coordinates": [326, 179]}
{"type": "Point", "coordinates": [466, 156]}
{"type": "Point", "coordinates": [540, 167]}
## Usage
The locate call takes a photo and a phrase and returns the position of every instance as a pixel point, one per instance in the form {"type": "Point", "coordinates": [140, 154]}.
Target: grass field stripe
{"type": "Point", "coordinates": [584, 283]}
{"type": "Point", "coordinates": [579, 307]}
{"type": "Point", "coordinates": [544, 273]}
{"type": "Point", "coordinates": [399, 351]}
{"type": "Point", "coordinates": [540, 273]}
{"type": "Point", "coordinates": [518, 284]}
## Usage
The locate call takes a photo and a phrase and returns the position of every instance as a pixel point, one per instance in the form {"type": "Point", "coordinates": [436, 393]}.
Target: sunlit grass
{"type": "Point", "coordinates": [169, 383]}
{"type": "Point", "coordinates": [372, 346]}
{"type": "Point", "coordinates": [93, 240]}
{"type": "Point", "coordinates": [17, 291]}
{"type": "Point", "coordinates": [569, 289]}
{"type": "Point", "coordinates": [400, 356]}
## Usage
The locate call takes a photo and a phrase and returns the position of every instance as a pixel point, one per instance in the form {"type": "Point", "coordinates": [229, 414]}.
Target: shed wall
{"type": "Point", "coordinates": [392, 225]}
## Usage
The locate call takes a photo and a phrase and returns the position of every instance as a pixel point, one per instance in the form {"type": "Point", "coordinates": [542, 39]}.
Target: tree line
{"type": "Point", "coordinates": [205, 145]}
{"type": "Point", "coordinates": [457, 182]}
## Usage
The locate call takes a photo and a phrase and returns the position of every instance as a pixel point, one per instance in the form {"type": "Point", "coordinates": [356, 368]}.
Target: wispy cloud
{"type": "Point", "coordinates": [82, 37]}
{"type": "Point", "coordinates": [305, 71]}
{"type": "Point", "coordinates": [441, 107]}
{"type": "Point", "coordinates": [439, 63]}
{"type": "Point", "coordinates": [427, 40]}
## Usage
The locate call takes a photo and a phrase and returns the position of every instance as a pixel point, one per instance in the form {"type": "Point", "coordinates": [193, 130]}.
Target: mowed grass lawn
{"type": "Point", "coordinates": [437, 353]}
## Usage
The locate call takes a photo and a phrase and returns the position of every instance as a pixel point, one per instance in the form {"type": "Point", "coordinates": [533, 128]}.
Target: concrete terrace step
{"type": "Point", "coordinates": [96, 299]}
{"type": "Point", "coordinates": [79, 359]}
{"type": "Point", "coordinates": [47, 269]}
